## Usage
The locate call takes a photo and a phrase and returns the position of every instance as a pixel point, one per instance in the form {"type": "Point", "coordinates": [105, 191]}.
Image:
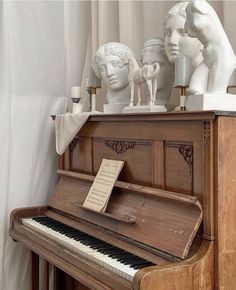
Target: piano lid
{"type": "Point", "coordinates": [162, 220]}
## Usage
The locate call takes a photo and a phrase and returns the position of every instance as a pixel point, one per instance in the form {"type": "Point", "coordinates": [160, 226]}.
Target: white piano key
{"type": "Point", "coordinates": [86, 251]}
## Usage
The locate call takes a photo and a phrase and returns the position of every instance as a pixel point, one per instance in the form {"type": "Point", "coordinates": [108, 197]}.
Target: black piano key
{"type": "Point", "coordinates": [140, 266]}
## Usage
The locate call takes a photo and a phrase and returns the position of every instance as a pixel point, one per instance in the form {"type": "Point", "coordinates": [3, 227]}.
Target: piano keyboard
{"type": "Point", "coordinates": [115, 259]}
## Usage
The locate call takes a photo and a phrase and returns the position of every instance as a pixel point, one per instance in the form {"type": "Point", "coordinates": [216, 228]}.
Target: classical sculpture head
{"type": "Point", "coordinates": [176, 39]}
{"type": "Point", "coordinates": [154, 52]}
{"type": "Point", "coordinates": [111, 63]}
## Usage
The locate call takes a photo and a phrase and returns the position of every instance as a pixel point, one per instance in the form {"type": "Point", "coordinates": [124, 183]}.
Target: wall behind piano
{"type": "Point", "coordinates": [32, 86]}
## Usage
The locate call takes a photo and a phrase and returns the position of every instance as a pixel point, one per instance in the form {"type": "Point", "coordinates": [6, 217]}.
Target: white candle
{"type": "Point", "coordinates": [93, 100]}
{"type": "Point", "coordinates": [183, 71]}
{"type": "Point", "coordinates": [75, 92]}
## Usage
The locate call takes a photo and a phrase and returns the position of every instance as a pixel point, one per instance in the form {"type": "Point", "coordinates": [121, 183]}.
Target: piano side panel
{"type": "Point", "coordinates": [197, 273]}
{"type": "Point", "coordinates": [226, 203]}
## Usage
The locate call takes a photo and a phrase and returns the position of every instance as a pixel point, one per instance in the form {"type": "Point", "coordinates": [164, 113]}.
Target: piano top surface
{"type": "Point", "coordinates": [173, 115]}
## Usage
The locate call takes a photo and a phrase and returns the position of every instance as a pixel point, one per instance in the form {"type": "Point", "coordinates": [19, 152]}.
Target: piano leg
{"type": "Point", "coordinates": [34, 271]}
{"type": "Point", "coordinates": [79, 286]}
{"type": "Point", "coordinates": [45, 275]}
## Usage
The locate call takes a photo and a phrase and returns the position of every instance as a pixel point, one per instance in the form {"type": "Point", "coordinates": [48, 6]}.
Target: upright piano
{"type": "Point", "coordinates": [170, 220]}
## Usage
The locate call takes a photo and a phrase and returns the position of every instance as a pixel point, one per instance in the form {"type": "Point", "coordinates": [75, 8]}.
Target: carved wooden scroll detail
{"type": "Point", "coordinates": [187, 153]}
{"type": "Point", "coordinates": [120, 146]}
{"type": "Point", "coordinates": [186, 150]}
{"type": "Point", "coordinates": [207, 135]}
{"type": "Point", "coordinates": [73, 143]}
{"type": "Point", "coordinates": [72, 146]}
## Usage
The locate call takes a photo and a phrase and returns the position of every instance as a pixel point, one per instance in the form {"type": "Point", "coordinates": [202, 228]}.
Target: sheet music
{"type": "Point", "coordinates": [103, 184]}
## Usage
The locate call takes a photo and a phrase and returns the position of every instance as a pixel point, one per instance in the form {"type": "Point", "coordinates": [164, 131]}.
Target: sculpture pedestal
{"type": "Point", "coordinates": [144, 109]}
{"type": "Point", "coordinates": [211, 101]}
{"type": "Point", "coordinates": [113, 108]}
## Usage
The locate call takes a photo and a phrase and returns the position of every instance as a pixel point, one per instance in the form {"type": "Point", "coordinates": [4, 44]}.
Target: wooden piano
{"type": "Point", "coordinates": [170, 221]}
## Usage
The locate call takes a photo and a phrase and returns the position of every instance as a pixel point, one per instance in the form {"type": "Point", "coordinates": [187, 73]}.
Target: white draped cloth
{"type": "Point", "coordinates": [67, 126]}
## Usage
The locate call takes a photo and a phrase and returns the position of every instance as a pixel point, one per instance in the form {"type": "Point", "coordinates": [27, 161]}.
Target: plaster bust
{"type": "Point", "coordinates": [154, 52]}
{"type": "Point", "coordinates": [111, 63]}
{"type": "Point", "coordinates": [219, 62]}
{"type": "Point", "coordinates": [176, 40]}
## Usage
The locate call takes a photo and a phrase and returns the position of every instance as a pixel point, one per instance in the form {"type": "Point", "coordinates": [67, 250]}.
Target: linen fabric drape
{"type": "Point", "coordinates": [32, 86]}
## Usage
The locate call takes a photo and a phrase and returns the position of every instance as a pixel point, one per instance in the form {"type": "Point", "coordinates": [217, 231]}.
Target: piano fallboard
{"type": "Point", "coordinates": [159, 217]}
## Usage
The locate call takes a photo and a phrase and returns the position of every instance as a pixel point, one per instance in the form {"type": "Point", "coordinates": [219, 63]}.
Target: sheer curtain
{"type": "Point", "coordinates": [32, 86]}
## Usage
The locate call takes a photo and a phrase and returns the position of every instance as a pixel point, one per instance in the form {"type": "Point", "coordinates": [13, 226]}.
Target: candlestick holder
{"type": "Point", "coordinates": [183, 98]}
{"type": "Point", "coordinates": [183, 71]}
{"type": "Point", "coordinates": [76, 108]}
{"type": "Point", "coordinates": [92, 97]}
{"type": "Point", "coordinates": [92, 84]}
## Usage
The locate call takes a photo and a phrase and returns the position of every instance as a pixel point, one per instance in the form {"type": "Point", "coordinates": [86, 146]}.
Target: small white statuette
{"type": "Point", "coordinates": [154, 52]}
{"type": "Point", "coordinates": [135, 79]}
{"type": "Point", "coordinates": [150, 73]}
{"type": "Point", "coordinates": [158, 73]}
{"type": "Point", "coordinates": [219, 61]}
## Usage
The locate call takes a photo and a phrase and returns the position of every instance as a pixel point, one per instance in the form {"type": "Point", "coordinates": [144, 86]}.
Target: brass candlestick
{"type": "Point", "coordinates": [92, 97]}
{"type": "Point", "coordinates": [92, 85]}
{"type": "Point", "coordinates": [183, 97]}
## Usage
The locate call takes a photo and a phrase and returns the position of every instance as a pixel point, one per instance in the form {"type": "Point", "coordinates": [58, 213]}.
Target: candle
{"type": "Point", "coordinates": [75, 92]}
{"type": "Point", "coordinates": [183, 71]}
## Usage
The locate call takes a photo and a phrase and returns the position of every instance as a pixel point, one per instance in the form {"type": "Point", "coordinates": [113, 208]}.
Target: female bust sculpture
{"type": "Point", "coordinates": [111, 63]}
{"type": "Point", "coordinates": [177, 42]}
{"type": "Point", "coordinates": [154, 52]}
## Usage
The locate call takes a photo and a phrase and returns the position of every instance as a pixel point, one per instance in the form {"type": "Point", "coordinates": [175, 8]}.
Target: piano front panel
{"type": "Point", "coordinates": [167, 155]}
{"type": "Point", "coordinates": [136, 153]}
{"type": "Point", "coordinates": [179, 167]}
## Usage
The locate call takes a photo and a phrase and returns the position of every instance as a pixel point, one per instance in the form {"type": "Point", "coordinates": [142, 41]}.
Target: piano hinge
{"type": "Point", "coordinates": [208, 237]}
